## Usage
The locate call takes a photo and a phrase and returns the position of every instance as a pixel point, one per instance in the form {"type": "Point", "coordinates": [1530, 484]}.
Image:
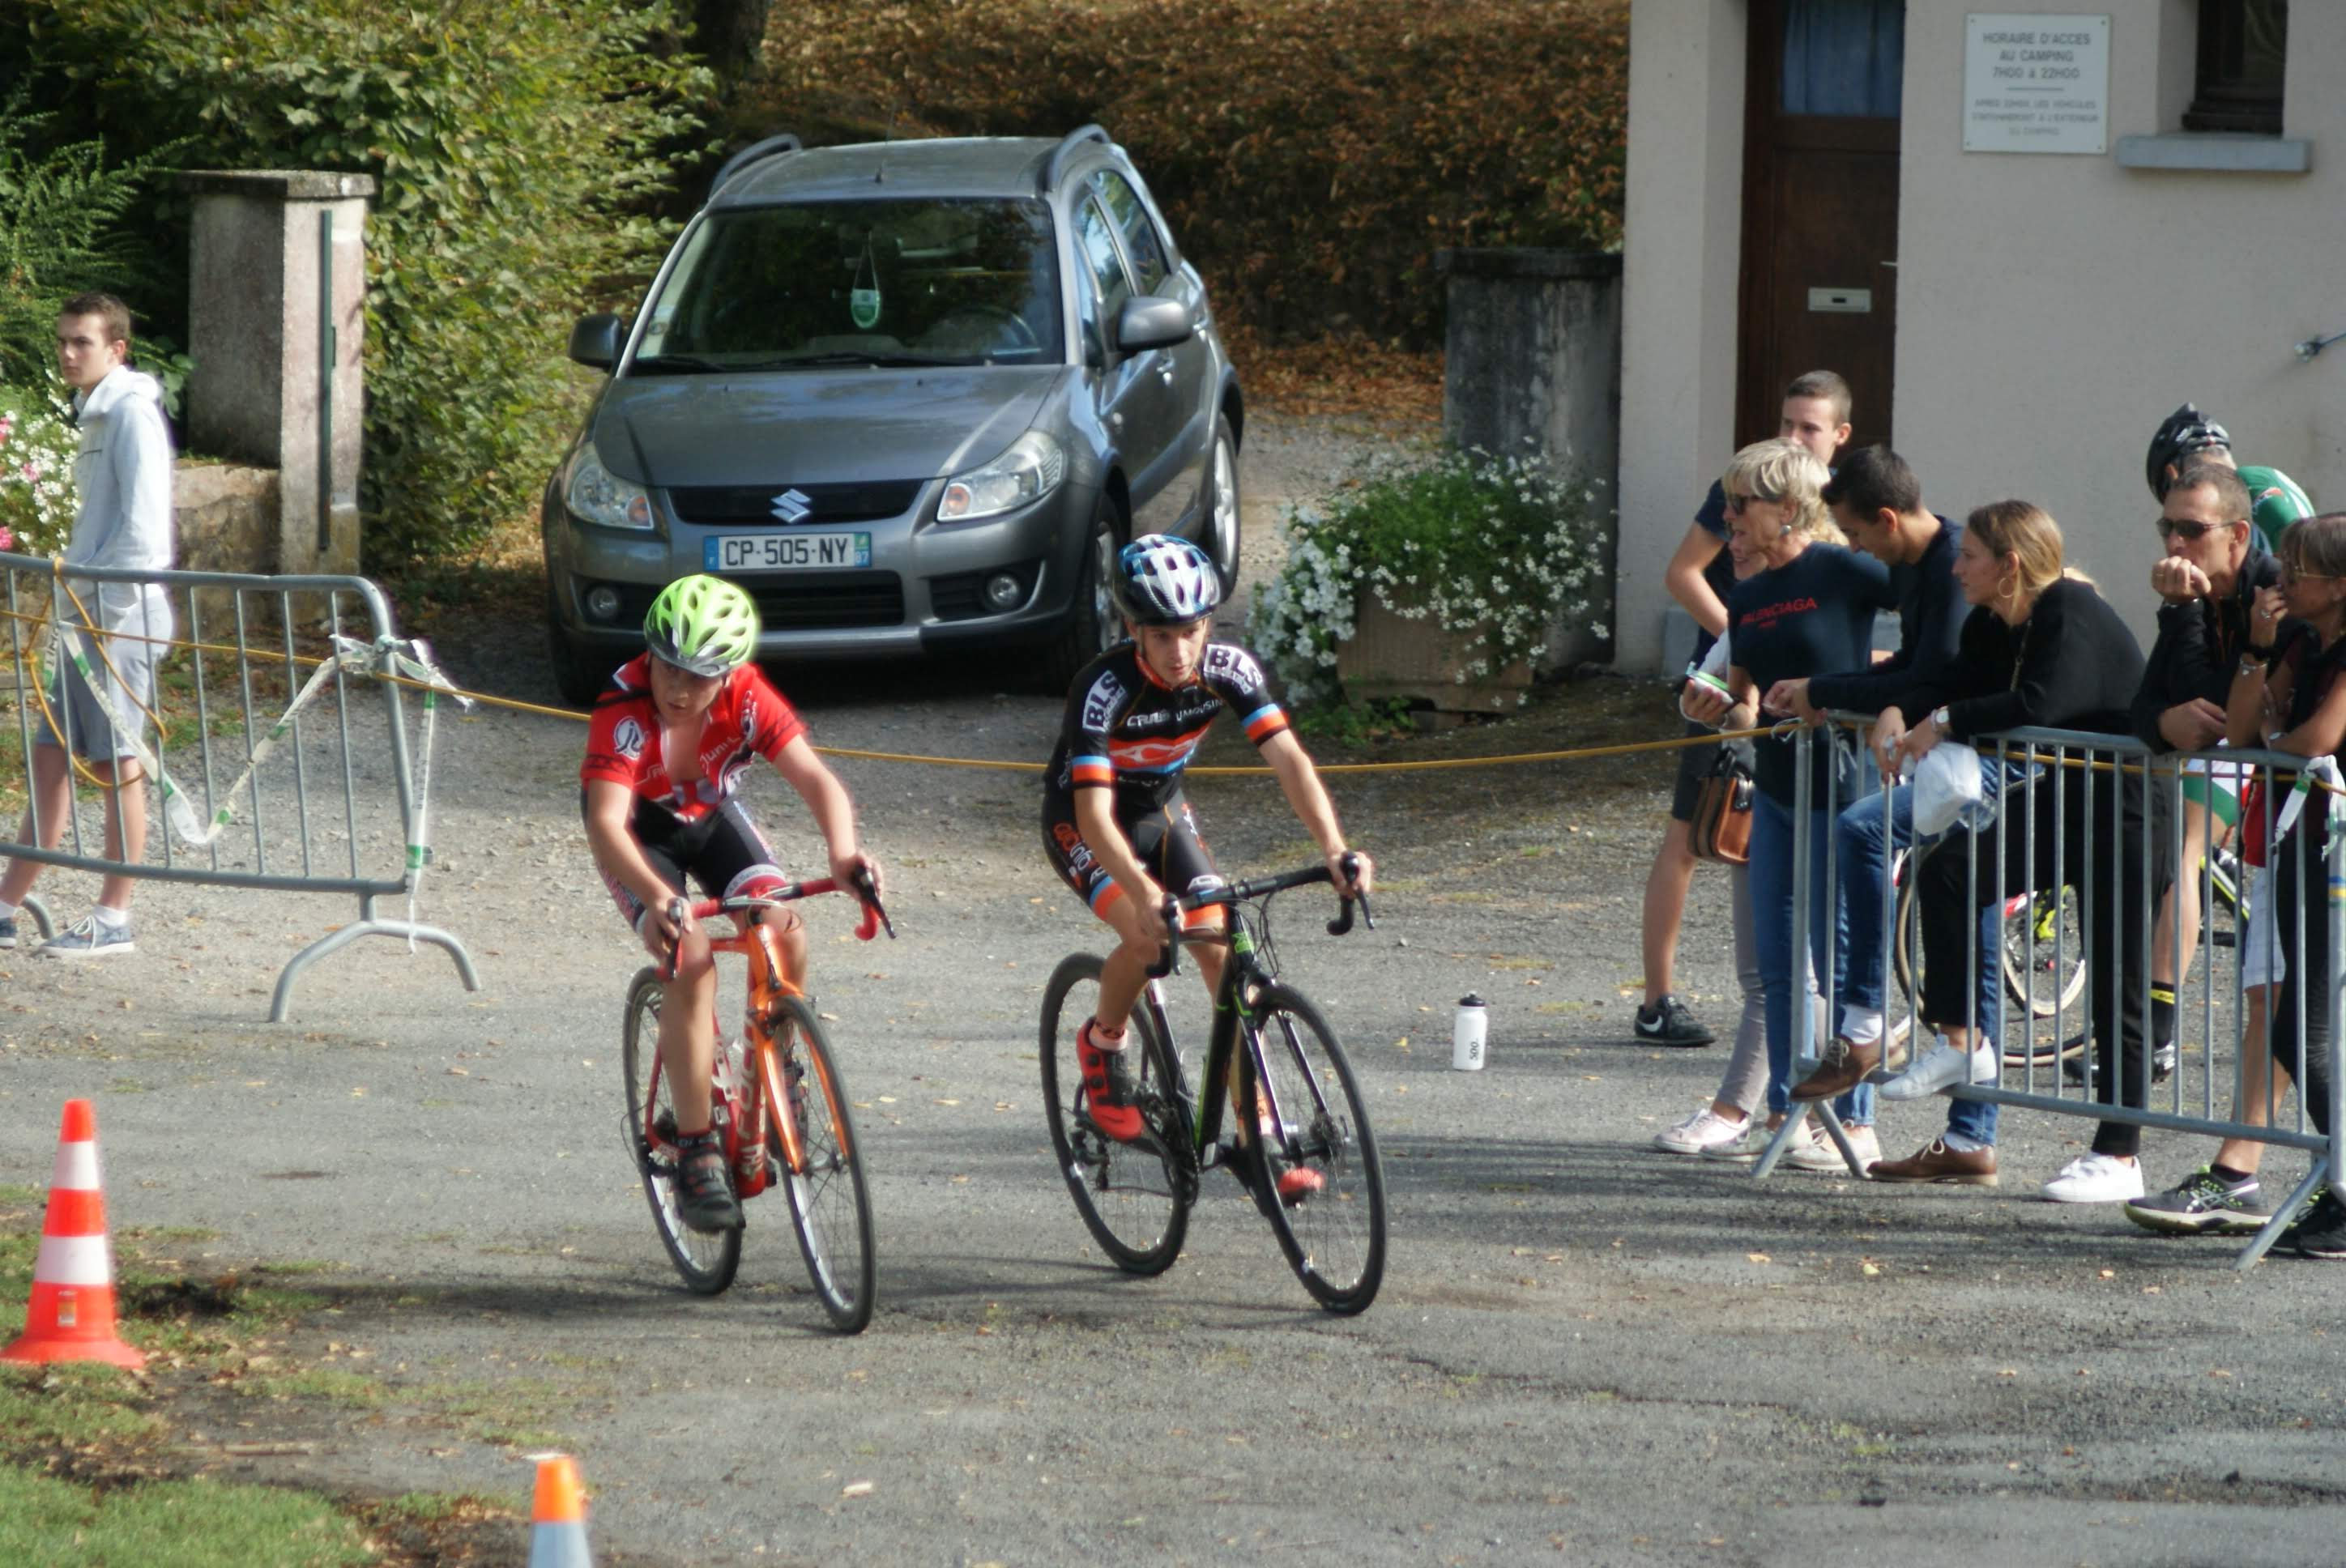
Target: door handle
{"type": "Point", "coordinates": [1116, 421]}
{"type": "Point", "coordinates": [1165, 370]}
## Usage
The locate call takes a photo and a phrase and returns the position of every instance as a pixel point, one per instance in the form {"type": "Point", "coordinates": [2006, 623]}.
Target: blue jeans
{"type": "Point", "coordinates": [1773, 861]}
{"type": "Point", "coordinates": [1865, 842]}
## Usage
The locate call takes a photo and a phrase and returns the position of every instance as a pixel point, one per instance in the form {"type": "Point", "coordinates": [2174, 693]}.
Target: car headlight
{"type": "Point", "coordinates": [1030, 470]}
{"type": "Point", "coordinates": [596, 494]}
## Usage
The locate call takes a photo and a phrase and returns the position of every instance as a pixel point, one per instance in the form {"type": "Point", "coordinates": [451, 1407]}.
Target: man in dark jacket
{"type": "Point", "coordinates": [2208, 577]}
{"type": "Point", "coordinates": [1878, 503]}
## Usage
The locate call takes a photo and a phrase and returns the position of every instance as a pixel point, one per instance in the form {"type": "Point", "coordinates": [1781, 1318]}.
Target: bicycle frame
{"type": "Point", "coordinates": [769, 986]}
{"type": "Point", "coordinates": [1202, 1113]}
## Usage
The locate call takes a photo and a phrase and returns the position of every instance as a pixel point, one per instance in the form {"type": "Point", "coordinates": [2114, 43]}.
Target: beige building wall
{"type": "Point", "coordinates": [2052, 307]}
{"type": "Point", "coordinates": [1685, 230]}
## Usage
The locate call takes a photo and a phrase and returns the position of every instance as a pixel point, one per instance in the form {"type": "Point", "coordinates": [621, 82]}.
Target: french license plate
{"type": "Point", "coordinates": [784, 552]}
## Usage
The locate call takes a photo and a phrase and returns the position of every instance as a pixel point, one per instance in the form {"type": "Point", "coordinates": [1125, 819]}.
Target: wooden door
{"type": "Point", "coordinates": [1819, 279]}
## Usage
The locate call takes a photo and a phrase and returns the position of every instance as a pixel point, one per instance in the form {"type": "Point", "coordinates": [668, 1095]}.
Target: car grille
{"type": "Point", "coordinates": [824, 601]}
{"type": "Point", "coordinates": [826, 504]}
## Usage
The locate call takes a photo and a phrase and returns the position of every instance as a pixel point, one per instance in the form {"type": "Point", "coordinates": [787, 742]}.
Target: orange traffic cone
{"type": "Point", "coordinates": [71, 1315]}
{"type": "Point", "coordinates": [557, 1516]}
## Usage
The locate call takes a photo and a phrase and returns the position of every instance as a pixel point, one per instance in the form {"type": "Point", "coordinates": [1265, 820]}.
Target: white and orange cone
{"type": "Point", "coordinates": [557, 1516]}
{"type": "Point", "coordinates": [71, 1315]}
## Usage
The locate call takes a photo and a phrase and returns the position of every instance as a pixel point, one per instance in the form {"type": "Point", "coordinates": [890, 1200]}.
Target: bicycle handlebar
{"type": "Point", "coordinates": [1260, 887]}
{"type": "Point", "coordinates": [876, 915]}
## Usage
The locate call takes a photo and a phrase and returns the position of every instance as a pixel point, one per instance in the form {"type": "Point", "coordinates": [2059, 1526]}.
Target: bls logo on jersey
{"type": "Point", "coordinates": [1233, 665]}
{"type": "Point", "coordinates": [627, 738]}
{"type": "Point", "coordinates": [1100, 702]}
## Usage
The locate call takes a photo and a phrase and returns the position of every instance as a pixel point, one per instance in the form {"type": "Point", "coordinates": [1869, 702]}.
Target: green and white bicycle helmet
{"type": "Point", "coordinates": [704, 624]}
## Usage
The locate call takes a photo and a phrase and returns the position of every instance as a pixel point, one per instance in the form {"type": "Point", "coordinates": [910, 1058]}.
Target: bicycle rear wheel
{"type": "Point", "coordinates": [1130, 1196]}
{"type": "Point", "coordinates": [2043, 1000]}
{"type": "Point", "coordinates": [706, 1259]}
{"type": "Point", "coordinates": [1334, 1238]}
{"type": "Point", "coordinates": [830, 1205]}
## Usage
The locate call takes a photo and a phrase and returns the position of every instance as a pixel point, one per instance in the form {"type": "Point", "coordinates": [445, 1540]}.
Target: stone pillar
{"type": "Point", "coordinates": [261, 391]}
{"type": "Point", "coordinates": [1535, 351]}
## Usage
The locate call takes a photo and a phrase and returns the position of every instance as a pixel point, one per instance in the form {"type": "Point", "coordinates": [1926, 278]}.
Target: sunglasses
{"type": "Point", "coordinates": [2291, 573]}
{"type": "Point", "coordinates": [1738, 503]}
{"type": "Point", "coordinates": [2191, 531]}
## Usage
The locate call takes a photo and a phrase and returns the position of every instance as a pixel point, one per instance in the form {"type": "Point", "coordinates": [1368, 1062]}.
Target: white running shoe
{"type": "Point", "coordinates": [2096, 1178]}
{"type": "Point", "coordinates": [1819, 1153]}
{"type": "Point", "coordinates": [1941, 1067]}
{"type": "Point", "coordinates": [1705, 1129]}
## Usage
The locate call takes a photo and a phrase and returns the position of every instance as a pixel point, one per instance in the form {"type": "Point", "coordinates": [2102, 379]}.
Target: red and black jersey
{"type": "Point", "coordinates": [1128, 731]}
{"type": "Point", "coordinates": [750, 718]}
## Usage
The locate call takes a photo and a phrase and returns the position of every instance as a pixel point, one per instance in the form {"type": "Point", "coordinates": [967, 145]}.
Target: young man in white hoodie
{"type": "Point", "coordinates": [123, 472]}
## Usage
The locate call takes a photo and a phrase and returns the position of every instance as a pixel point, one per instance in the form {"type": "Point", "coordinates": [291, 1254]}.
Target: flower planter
{"type": "Point", "coordinates": [1392, 655]}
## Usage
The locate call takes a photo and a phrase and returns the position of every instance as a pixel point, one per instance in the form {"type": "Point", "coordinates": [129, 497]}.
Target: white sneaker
{"type": "Point", "coordinates": [1941, 1067]}
{"type": "Point", "coordinates": [1818, 1153]}
{"type": "Point", "coordinates": [1705, 1129]}
{"type": "Point", "coordinates": [2096, 1178]}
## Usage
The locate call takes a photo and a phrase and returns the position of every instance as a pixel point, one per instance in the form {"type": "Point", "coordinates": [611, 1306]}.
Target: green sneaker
{"type": "Point", "coordinates": [2202, 1204]}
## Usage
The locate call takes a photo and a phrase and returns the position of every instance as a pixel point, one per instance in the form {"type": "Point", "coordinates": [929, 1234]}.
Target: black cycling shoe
{"type": "Point", "coordinates": [704, 1185]}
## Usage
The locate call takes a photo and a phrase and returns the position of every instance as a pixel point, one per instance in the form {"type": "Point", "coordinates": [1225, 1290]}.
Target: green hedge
{"type": "Point", "coordinates": [515, 153]}
{"type": "Point", "coordinates": [1311, 154]}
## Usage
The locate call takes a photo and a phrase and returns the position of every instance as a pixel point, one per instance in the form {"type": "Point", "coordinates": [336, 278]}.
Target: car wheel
{"type": "Point", "coordinates": [577, 675]}
{"type": "Point", "coordinates": [1092, 627]}
{"type": "Point", "coordinates": [1222, 507]}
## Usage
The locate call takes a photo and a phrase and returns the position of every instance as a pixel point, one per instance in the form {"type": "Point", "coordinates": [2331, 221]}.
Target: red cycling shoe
{"type": "Point", "coordinates": [1108, 1087]}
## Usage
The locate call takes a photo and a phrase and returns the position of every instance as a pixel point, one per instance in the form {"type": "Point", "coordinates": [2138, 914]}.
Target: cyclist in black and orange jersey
{"type": "Point", "coordinates": [1115, 822]}
{"type": "Point", "coordinates": [668, 744]}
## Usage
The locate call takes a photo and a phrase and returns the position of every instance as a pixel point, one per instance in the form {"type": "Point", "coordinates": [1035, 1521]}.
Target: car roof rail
{"type": "Point", "coordinates": [772, 147]}
{"type": "Point", "coordinates": [1069, 144]}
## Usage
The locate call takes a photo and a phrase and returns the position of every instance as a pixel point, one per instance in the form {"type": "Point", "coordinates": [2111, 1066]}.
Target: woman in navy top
{"type": "Point", "coordinates": [1808, 612]}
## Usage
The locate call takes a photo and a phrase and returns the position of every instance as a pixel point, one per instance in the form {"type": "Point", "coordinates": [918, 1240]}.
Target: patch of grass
{"type": "Point", "coordinates": [12, 1195]}
{"type": "Point", "coordinates": [511, 1414]}
{"type": "Point", "coordinates": [187, 1523]}
{"type": "Point", "coordinates": [450, 1507]}
{"type": "Point", "coordinates": [166, 1233]}
{"type": "Point", "coordinates": [321, 1383]}
{"type": "Point", "coordinates": [69, 1405]}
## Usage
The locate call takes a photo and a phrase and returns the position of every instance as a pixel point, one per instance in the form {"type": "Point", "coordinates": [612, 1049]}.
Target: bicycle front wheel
{"type": "Point", "coordinates": [706, 1259]}
{"type": "Point", "coordinates": [1130, 1195]}
{"type": "Point", "coordinates": [1332, 1224]}
{"type": "Point", "coordinates": [828, 1203]}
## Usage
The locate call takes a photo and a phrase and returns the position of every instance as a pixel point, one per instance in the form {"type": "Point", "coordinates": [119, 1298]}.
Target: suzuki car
{"type": "Point", "coordinates": [912, 395]}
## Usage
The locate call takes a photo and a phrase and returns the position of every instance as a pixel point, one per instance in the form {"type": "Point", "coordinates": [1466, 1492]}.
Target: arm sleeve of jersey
{"type": "Point", "coordinates": [1240, 681]}
{"type": "Point", "coordinates": [615, 745]}
{"type": "Point", "coordinates": [774, 723]}
{"type": "Point", "coordinates": [1092, 713]}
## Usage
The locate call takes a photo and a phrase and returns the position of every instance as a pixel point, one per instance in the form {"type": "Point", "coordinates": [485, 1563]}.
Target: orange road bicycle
{"type": "Point", "coordinates": [780, 1105]}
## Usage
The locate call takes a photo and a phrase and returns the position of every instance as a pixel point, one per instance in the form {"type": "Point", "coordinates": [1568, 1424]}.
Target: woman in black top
{"type": "Point", "coordinates": [2041, 649]}
{"type": "Point", "coordinates": [2290, 682]}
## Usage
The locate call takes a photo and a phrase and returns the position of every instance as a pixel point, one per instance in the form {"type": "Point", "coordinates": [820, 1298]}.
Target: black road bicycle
{"type": "Point", "coordinates": [1299, 1109]}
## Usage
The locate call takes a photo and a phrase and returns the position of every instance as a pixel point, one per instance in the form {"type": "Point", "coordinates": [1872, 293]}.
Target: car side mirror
{"type": "Point", "coordinates": [1153, 323]}
{"type": "Point", "coordinates": [595, 340]}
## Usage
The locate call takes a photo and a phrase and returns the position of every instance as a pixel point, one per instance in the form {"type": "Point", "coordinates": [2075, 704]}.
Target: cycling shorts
{"type": "Point", "coordinates": [2216, 786]}
{"type": "Point", "coordinates": [1165, 841]}
{"type": "Point", "coordinates": [722, 852]}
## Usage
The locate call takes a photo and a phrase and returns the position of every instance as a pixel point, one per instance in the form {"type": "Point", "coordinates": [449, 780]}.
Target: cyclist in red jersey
{"type": "Point", "coordinates": [1114, 824]}
{"type": "Point", "coordinates": [667, 746]}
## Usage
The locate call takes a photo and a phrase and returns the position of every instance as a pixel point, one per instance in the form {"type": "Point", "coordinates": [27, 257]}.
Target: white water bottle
{"type": "Point", "coordinates": [1468, 1034]}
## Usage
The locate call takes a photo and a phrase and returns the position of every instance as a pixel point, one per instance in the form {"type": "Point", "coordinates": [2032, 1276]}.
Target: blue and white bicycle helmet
{"type": "Point", "coordinates": [1162, 580]}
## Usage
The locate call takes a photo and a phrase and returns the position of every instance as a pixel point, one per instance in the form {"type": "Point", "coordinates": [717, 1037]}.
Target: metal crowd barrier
{"type": "Point", "coordinates": [261, 682]}
{"type": "Point", "coordinates": [2050, 996]}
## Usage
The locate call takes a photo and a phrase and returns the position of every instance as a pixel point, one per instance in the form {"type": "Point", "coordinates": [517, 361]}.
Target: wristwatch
{"type": "Point", "coordinates": [1939, 717]}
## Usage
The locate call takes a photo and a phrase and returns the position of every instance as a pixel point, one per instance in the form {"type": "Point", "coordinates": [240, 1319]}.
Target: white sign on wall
{"type": "Point", "coordinates": [2035, 82]}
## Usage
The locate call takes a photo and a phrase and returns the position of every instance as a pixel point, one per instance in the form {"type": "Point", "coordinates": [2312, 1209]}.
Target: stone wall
{"type": "Point", "coordinates": [227, 519]}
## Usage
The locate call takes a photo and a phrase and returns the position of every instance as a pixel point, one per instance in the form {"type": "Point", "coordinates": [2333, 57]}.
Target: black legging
{"type": "Point", "coordinates": [2115, 915]}
{"type": "Point", "coordinates": [2302, 867]}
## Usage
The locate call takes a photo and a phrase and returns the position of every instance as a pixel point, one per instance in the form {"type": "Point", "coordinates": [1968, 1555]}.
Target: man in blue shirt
{"type": "Point", "coordinates": [1816, 414]}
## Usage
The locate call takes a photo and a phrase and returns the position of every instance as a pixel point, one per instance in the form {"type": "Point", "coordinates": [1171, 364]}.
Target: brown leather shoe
{"type": "Point", "coordinates": [1955, 1167]}
{"type": "Point", "coordinates": [1845, 1067]}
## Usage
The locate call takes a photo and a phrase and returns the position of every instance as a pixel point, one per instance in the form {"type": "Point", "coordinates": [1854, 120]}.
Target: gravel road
{"type": "Point", "coordinates": [1584, 1351]}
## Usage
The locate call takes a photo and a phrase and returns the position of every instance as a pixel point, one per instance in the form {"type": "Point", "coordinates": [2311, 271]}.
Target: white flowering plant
{"type": "Point", "coordinates": [38, 444]}
{"type": "Point", "coordinates": [1496, 549]}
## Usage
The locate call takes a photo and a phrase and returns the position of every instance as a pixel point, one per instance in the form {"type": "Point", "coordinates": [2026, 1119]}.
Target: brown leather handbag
{"type": "Point", "coordinates": [1721, 830]}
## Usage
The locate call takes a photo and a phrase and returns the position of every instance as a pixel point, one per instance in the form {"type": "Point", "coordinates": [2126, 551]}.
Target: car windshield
{"type": "Point", "coordinates": [927, 282]}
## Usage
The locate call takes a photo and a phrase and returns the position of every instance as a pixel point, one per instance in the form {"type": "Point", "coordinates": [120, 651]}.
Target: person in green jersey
{"type": "Point", "coordinates": [2189, 436]}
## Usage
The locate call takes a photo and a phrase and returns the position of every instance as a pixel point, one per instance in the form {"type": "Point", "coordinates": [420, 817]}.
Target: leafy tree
{"type": "Point", "coordinates": [62, 212]}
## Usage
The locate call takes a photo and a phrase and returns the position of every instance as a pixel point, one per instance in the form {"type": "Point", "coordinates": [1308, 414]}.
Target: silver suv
{"type": "Point", "coordinates": [912, 395]}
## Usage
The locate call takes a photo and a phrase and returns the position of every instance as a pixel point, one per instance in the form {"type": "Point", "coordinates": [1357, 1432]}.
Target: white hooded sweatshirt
{"type": "Point", "coordinates": [123, 472]}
